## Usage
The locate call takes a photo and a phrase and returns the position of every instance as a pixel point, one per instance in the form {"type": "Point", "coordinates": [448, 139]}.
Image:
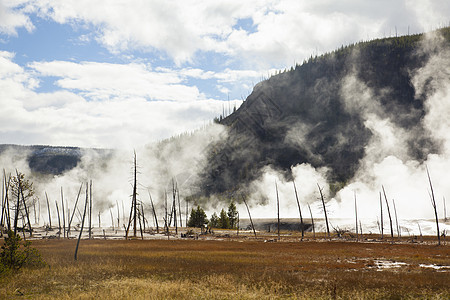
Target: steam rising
{"type": "Point", "coordinates": [387, 160]}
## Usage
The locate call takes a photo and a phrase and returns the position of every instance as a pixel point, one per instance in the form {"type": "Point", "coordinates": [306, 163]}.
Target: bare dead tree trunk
{"type": "Point", "coordinates": [278, 211]}
{"type": "Point", "coordinates": [312, 221]}
{"type": "Point", "coordinates": [445, 212]}
{"type": "Point", "coordinates": [129, 221]}
{"type": "Point", "coordinates": [179, 206]}
{"type": "Point", "coordinates": [74, 209]}
{"type": "Point", "coordinates": [90, 209]}
{"type": "Point", "coordinates": [112, 218]}
{"type": "Point", "coordinates": [154, 212]}
{"type": "Point", "coordinates": [63, 215]}
{"type": "Point", "coordinates": [237, 229]}
{"type": "Point", "coordinates": [396, 220]}
{"type": "Point", "coordinates": [165, 211]}
{"type": "Point", "coordinates": [433, 203]}
{"type": "Point", "coordinates": [135, 196]}
{"type": "Point", "coordinates": [118, 215]}
{"type": "Point", "coordinates": [420, 230]}
{"type": "Point", "coordinates": [39, 210]}
{"type": "Point", "coordinates": [5, 211]}
{"type": "Point", "coordinates": [34, 211]}
{"type": "Point", "coordinates": [59, 220]}
{"type": "Point", "coordinates": [16, 215]}
{"type": "Point", "coordinates": [8, 212]}
{"type": "Point", "coordinates": [299, 211]}
{"type": "Point", "coordinates": [360, 229]}
{"type": "Point", "coordinates": [141, 214]}
{"type": "Point", "coordinates": [356, 219]}
{"type": "Point", "coordinates": [24, 205]}
{"type": "Point", "coordinates": [389, 212]}
{"type": "Point", "coordinates": [174, 207]}
{"type": "Point", "coordinates": [187, 210]}
{"type": "Point", "coordinates": [382, 224]}
{"type": "Point", "coordinates": [99, 220]}
{"type": "Point", "coordinates": [140, 223]}
{"type": "Point", "coordinates": [48, 209]}
{"type": "Point", "coordinates": [248, 210]}
{"type": "Point", "coordinates": [3, 206]}
{"type": "Point", "coordinates": [82, 222]}
{"type": "Point", "coordinates": [324, 210]}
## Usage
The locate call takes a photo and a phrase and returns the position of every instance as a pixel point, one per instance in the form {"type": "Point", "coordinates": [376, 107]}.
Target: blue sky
{"type": "Point", "coordinates": [125, 73]}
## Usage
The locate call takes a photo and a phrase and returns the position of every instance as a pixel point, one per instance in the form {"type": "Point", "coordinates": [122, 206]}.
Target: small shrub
{"type": "Point", "coordinates": [15, 255]}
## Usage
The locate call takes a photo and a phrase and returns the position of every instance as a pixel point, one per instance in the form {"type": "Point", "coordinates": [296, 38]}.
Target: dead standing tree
{"type": "Point", "coordinates": [20, 191]}
{"type": "Point", "coordinates": [133, 210]}
{"type": "Point", "coordinates": [74, 209]}
{"type": "Point", "coordinates": [6, 217]}
{"type": "Point", "coordinates": [49, 215]}
{"type": "Point", "coordinates": [324, 209]}
{"type": "Point", "coordinates": [312, 221]}
{"type": "Point", "coordinates": [278, 211]}
{"type": "Point", "coordinates": [249, 215]}
{"type": "Point", "coordinates": [90, 209]}
{"type": "Point", "coordinates": [82, 222]}
{"type": "Point", "coordinates": [356, 219]}
{"type": "Point", "coordinates": [154, 212]}
{"type": "Point", "coordinates": [433, 203]}
{"type": "Point", "coordinates": [299, 211]}
{"type": "Point", "coordinates": [389, 213]}
{"type": "Point", "coordinates": [381, 212]}
{"type": "Point", "coordinates": [63, 214]}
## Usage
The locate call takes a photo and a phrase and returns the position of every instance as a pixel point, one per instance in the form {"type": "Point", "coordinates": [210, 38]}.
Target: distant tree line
{"type": "Point", "coordinates": [225, 220]}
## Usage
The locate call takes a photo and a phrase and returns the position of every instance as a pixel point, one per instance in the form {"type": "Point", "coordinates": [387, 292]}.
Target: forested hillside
{"type": "Point", "coordinates": [317, 113]}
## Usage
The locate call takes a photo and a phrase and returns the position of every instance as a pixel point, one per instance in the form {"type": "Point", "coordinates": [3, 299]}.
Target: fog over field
{"type": "Point", "coordinates": [386, 163]}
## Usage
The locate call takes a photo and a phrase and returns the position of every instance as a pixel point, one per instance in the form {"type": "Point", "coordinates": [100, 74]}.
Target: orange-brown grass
{"type": "Point", "coordinates": [161, 269]}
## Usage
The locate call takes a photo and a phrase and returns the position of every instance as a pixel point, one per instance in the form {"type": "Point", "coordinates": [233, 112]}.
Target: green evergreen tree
{"type": "Point", "coordinates": [197, 218]}
{"type": "Point", "coordinates": [232, 215]}
{"type": "Point", "coordinates": [224, 221]}
{"type": "Point", "coordinates": [214, 221]}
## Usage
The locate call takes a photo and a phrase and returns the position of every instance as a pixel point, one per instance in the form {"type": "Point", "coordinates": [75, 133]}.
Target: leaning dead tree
{"type": "Point", "coordinates": [6, 217]}
{"type": "Point", "coordinates": [381, 212]}
{"type": "Point", "coordinates": [82, 222]}
{"type": "Point", "coordinates": [324, 209]}
{"type": "Point", "coordinates": [49, 215]}
{"type": "Point", "coordinates": [248, 210]}
{"type": "Point", "coordinates": [312, 221]}
{"type": "Point", "coordinates": [74, 209]}
{"type": "Point", "coordinates": [59, 219]}
{"type": "Point", "coordinates": [299, 211]}
{"type": "Point", "coordinates": [174, 206]}
{"type": "Point", "coordinates": [389, 213]}
{"type": "Point", "coordinates": [179, 206]}
{"type": "Point", "coordinates": [396, 219]}
{"type": "Point", "coordinates": [433, 203]}
{"type": "Point", "coordinates": [154, 212]}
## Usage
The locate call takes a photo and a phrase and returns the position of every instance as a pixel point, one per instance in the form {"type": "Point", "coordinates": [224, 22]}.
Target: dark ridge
{"type": "Point", "coordinates": [307, 102]}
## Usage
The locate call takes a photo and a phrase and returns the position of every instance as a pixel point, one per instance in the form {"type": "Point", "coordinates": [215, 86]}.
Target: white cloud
{"type": "Point", "coordinates": [13, 16]}
{"type": "Point", "coordinates": [286, 31]}
{"type": "Point", "coordinates": [63, 117]}
{"type": "Point", "coordinates": [107, 81]}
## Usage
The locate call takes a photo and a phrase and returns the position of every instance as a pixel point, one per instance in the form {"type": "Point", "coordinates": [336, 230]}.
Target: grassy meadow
{"type": "Point", "coordinates": [233, 269]}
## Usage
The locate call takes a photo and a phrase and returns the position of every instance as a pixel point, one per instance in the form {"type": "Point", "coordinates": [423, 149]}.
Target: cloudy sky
{"type": "Point", "coordinates": [116, 73]}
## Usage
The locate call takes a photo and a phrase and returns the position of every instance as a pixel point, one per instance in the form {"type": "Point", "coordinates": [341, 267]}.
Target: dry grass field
{"type": "Point", "coordinates": [237, 269]}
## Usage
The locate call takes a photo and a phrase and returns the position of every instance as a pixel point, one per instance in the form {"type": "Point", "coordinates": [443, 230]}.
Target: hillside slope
{"type": "Point", "coordinates": [319, 113]}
